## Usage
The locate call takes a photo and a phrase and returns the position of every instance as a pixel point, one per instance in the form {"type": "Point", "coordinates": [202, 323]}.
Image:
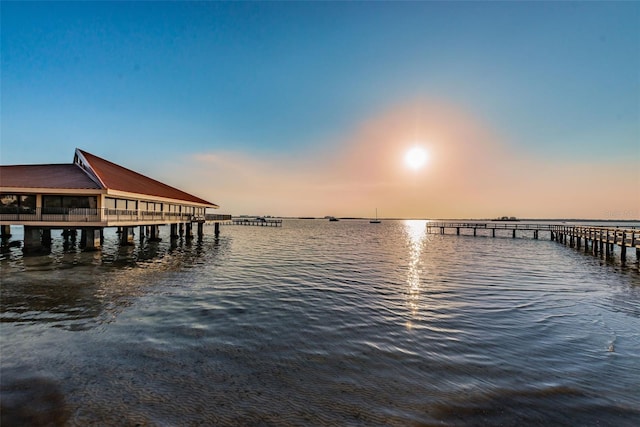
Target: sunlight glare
{"type": "Point", "coordinates": [416, 237]}
{"type": "Point", "coordinates": [416, 157]}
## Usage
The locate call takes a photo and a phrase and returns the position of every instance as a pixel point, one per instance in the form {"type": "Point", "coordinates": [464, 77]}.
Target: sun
{"type": "Point", "coordinates": [416, 158]}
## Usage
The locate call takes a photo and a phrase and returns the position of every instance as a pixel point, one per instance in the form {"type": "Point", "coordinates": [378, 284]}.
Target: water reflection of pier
{"type": "Point", "coordinates": [593, 238]}
{"type": "Point", "coordinates": [78, 290]}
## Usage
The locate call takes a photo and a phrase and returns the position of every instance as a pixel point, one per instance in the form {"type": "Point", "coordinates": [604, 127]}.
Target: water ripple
{"type": "Point", "coordinates": [320, 323]}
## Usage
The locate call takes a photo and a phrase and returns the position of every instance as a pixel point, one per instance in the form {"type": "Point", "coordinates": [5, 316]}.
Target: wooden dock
{"type": "Point", "coordinates": [594, 239]}
{"type": "Point", "coordinates": [259, 222]}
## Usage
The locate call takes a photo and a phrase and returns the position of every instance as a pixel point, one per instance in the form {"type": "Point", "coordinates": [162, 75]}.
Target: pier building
{"type": "Point", "coordinates": [90, 194]}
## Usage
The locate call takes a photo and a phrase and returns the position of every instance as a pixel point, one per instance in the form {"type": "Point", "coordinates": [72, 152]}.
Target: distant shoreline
{"type": "Point", "coordinates": [471, 219]}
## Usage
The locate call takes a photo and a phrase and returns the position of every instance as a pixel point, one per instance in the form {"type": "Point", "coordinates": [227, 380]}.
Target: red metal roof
{"type": "Point", "coordinates": [116, 177]}
{"type": "Point", "coordinates": [67, 176]}
{"type": "Point", "coordinates": [74, 177]}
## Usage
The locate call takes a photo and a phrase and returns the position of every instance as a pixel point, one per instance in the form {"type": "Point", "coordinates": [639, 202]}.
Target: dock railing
{"type": "Point", "coordinates": [101, 216]}
{"type": "Point", "coordinates": [594, 238]}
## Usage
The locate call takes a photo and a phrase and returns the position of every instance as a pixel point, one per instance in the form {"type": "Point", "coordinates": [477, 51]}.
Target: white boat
{"type": "Point", "coordinates": [375, 221]}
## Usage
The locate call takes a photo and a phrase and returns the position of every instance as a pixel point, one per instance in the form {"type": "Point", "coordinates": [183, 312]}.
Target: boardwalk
{"type": "Point", "coordinates": [592, 238]}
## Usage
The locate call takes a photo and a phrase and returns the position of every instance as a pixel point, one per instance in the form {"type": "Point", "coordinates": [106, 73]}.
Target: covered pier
{"type": "Point", "coordinates": [90, 194]}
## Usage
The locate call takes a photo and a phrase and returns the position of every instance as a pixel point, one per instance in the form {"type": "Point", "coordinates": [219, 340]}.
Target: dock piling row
{"type": "Point", "coordinates": [597, 240]}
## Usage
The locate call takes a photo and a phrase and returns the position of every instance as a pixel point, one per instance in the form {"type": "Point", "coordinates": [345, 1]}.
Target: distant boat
{"type": "Point", "coordinates": [333, 218]}
{"type": "Point", "coordinates": [375, 221]}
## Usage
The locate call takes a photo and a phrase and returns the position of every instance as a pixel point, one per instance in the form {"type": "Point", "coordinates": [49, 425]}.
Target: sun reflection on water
{"type": "Point", "coordinates": [416, 231]}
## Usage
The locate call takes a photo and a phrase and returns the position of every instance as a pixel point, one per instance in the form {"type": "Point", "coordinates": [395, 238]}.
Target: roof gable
{"type": "Point", "coordinates": [116, 177]}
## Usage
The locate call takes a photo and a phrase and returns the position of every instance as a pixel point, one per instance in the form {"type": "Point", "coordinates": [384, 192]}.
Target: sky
{"type": "Point", "coordinates": [526, 109]}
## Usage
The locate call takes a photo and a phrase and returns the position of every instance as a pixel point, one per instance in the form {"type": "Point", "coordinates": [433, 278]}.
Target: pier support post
{"type": "Point", "coordinates": [200, 230]}
{"type": "Point", "coordinates": [46, 237]}
{"type": "Point", "coordinates": [623, 248]}
{"type": "Point", "coordinates": [535, 234]}
{"type": "Point", "coordinates": [553, 236]}
{"type": "Point", "coordinates": [189, 230]}
{"type": "Point", "coordinates": [578, 242]}
{"type": "Point", "coordinates": [126, 236]}
{"type": "Point", "coordinates": [441, 230]}
{"type": "Point", "coordinates": [493, 232]}
{"type": "Point", "coordinates": [173, 231]}
{"type": "Point", "coordinates": [601, 242]}
{"type": "Point", "coordinates": [90, 239]}
{"type": "Point", "coordinates": [181, 229]}
{"type": "Point", "coordinates": [474, 232]}
{"type": "Point", "coordinates": [216, 228]}
{"type": "Point", "coordinates": [142, 233]}
{"type": "Point", "coordinates": [32, 240]}
{"type": "Point", "coordinates": [69, 235]}
{"type": "Point", "coordinates": [154, 233]}
{"type": "Point", "coordinates": [5, 232]}
{"type": "Point", "coordinates": [457, 231]}
{"type": "Point", "coordinates": [514, 233]}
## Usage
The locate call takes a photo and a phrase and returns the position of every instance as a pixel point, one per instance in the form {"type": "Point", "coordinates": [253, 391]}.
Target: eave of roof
{"type": "Point", "coordinates": [54, 176]}
{"type": "Point", "coordinates": [116, 177]}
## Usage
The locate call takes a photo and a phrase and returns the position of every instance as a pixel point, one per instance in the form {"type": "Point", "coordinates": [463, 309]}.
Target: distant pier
{"type": "Point", "coordinates": [590, 238]}
{"type": "Point", "coordinates": [259, 222]}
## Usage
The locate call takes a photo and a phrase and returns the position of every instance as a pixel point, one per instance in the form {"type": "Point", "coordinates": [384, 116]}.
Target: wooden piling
{"type": "Point", "coordinates": [598, 240]}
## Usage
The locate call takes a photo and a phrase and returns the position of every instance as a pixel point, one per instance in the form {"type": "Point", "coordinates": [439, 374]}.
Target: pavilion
{"type": "Point", "coordinates": [90, 194]}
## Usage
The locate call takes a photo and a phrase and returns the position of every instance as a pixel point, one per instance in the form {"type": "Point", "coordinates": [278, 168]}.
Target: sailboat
{"type": "Point", "coordinates": [375, 221]}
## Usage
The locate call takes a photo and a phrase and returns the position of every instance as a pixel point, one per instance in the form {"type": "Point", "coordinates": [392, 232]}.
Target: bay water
{"type": "Point", "coordinates": [320, 323]}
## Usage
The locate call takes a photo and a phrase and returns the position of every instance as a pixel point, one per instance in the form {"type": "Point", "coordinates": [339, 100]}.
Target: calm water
{"type": "Point", "coordinates": [321, 323]}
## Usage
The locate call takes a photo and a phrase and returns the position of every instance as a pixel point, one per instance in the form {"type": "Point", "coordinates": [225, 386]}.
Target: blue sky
{"type": "Point", "coordinates": [146, 84]}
